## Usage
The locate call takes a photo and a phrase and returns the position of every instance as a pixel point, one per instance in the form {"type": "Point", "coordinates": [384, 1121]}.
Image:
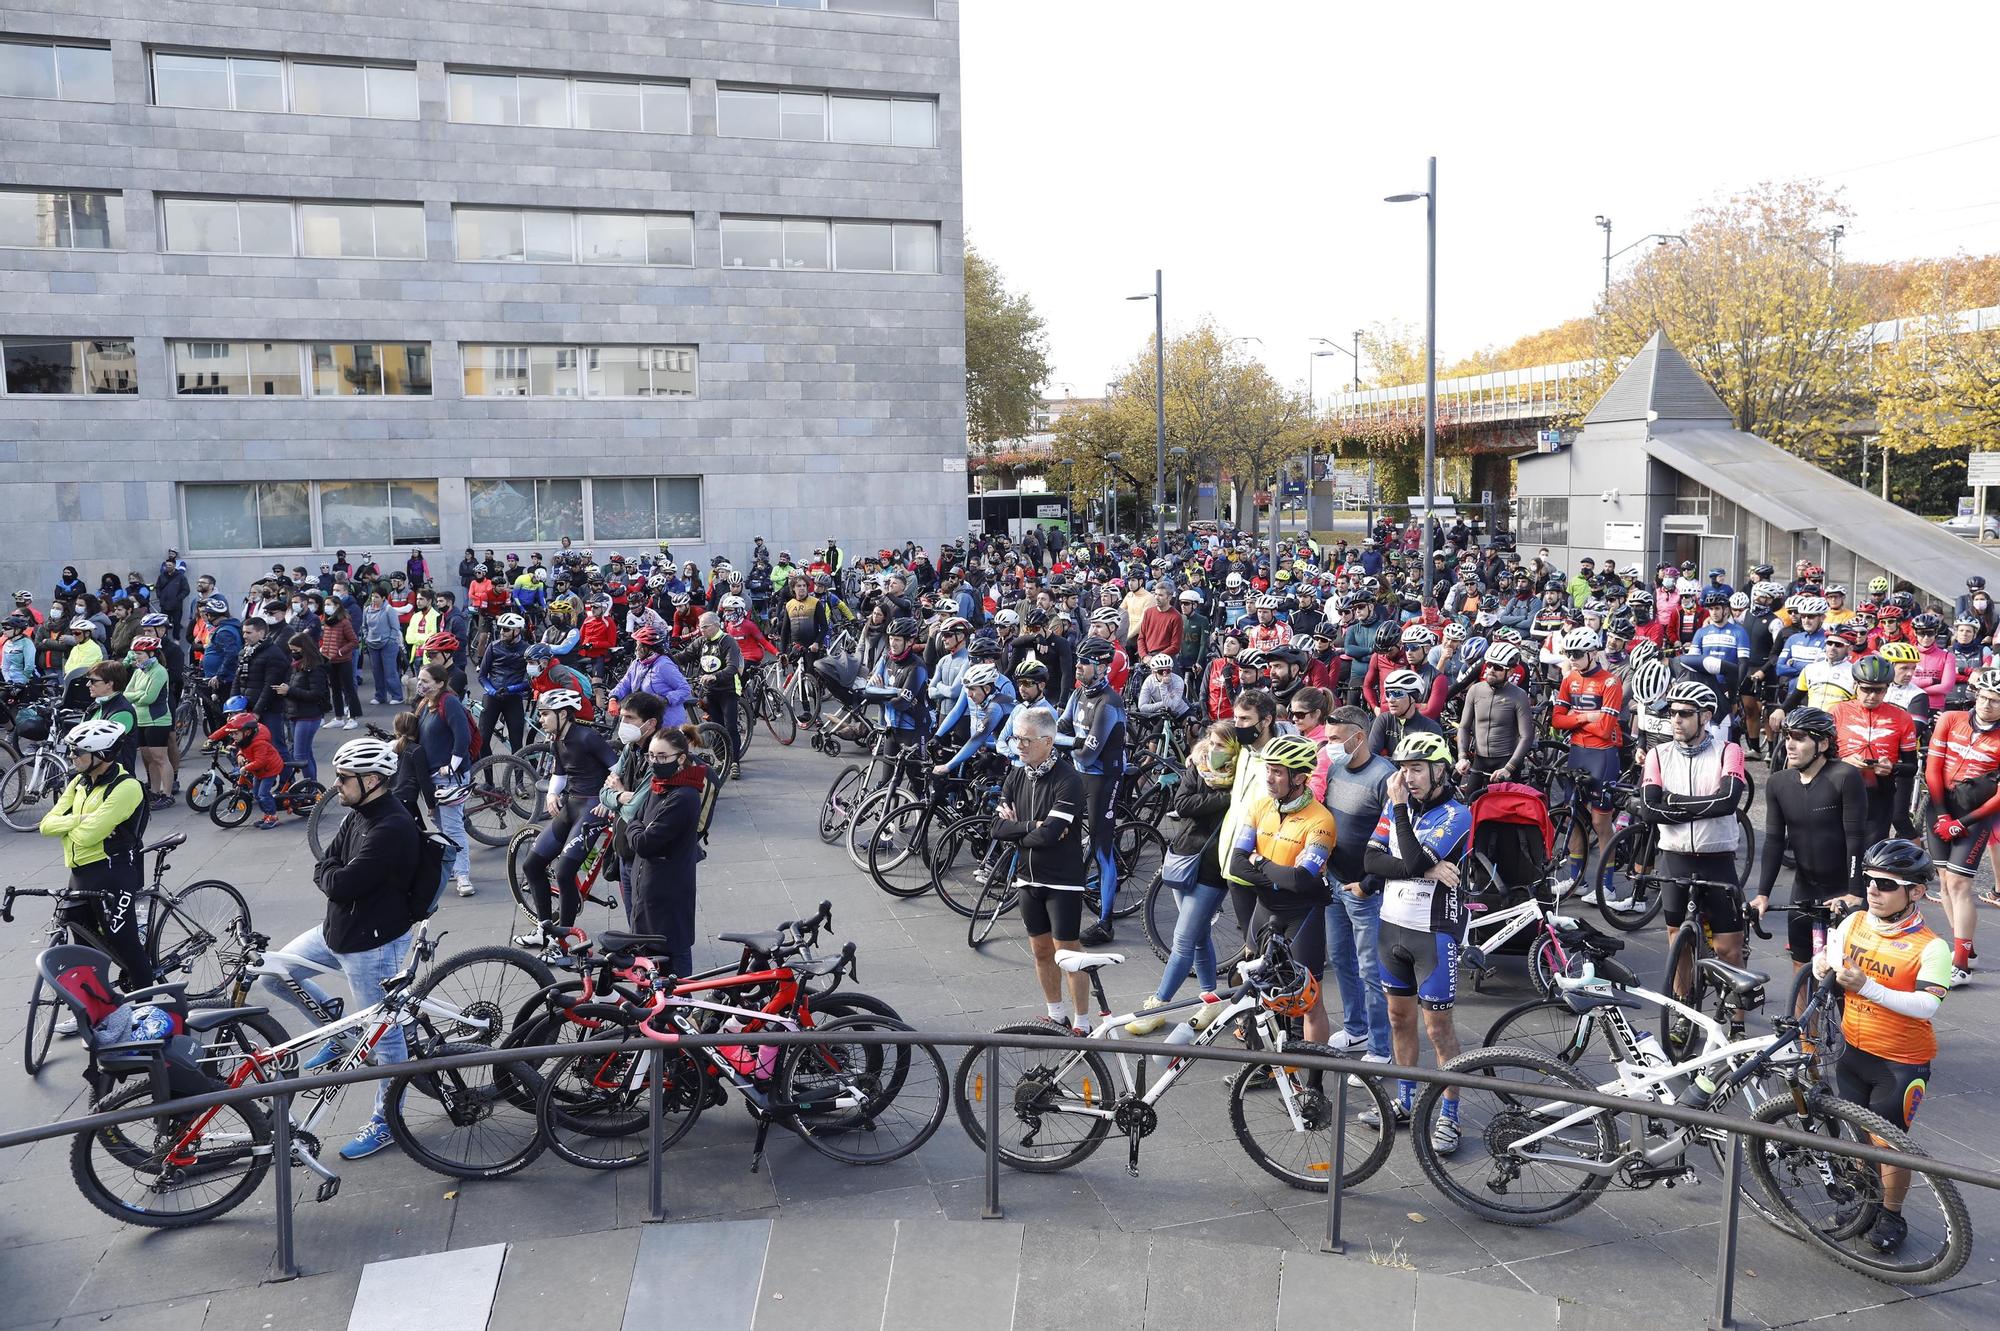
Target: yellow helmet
{"type": "Point", "coordinates": [1900, 653]}
{"type": "Point", "coordinates": [1292, 753]}
{"type": "Point", "coordinates": [1422, 747]}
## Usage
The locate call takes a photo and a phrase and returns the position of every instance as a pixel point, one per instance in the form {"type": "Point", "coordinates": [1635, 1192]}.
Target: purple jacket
{"type": "Point", "coordinates": [663, 679]}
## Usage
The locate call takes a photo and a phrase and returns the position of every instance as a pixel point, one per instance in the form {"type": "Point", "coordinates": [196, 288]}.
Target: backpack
{"type": "Point", "coordinates": [435, 852]}
{"type": "Point", "coordinates": [474, 744]}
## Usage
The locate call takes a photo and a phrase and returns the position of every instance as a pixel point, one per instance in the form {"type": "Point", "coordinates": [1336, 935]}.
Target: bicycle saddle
{"type": "Point", "coordinates": [1733, 978]}
{"type": "Point", "coordinates": [1073, 962]}
{"type": "Point", "coordinates": [208, 1018]}
{"type": "Point", "coordinates": [166, 843]}
{"type": "Point", "coordinates": [616, 940]}
{"type": "Point", "coordinates": [763, 943]}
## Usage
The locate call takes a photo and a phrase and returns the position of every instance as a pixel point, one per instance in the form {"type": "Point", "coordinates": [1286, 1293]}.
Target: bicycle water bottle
{"type": "Point", "coordinates": [1701, 1093]}
{"type": "Point", "coordinates": [1181, 1034]}
{"type": "Point", "coordinates": [741, 1057]}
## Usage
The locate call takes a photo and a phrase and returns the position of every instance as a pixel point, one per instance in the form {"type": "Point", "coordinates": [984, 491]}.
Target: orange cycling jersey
{"type": "Point", "coordinates": [1303, 838]}
{"type": "Point", "coordinates": [1961, 751]}
{"type": "Point", "coordinates": [1905, 957]}
{"type": "Point", "coordinates": [1883, 733]}
{"type": "Point", "coordinates": [1588, 707]}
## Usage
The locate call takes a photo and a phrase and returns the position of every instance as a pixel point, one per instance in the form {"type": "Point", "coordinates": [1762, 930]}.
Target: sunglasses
{"type": "Point", "coordinates": [1299, 714]}
{"type": "Point", "coordinates": [1874, 688]}
{"type": "Point", "coordinates": [1879, 883]}
{"type": "Point", "coordinates": [1682, 713]}
{"type": "Point", "coordinates": [1576, 656]}
{"type": "Point", "coordinates": [1392, 693]}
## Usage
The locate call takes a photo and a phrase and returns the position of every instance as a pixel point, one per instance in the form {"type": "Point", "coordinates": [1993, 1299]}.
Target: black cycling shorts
{"type": "Point", "coordinates": [1893, 1090]}
{"type": "Point", "coordinates": [153, 737]}
{"type": "Point", "coordinates": [1721, 906]}
{"type": "Point", "coordinates": [1055, 911]}
{"type": "Point", "coordinates": [1420, 964]}
{"type": "Point", "coordinates": [1800, 927]}
{"type": "Point", "coordinates": [1963, 855]}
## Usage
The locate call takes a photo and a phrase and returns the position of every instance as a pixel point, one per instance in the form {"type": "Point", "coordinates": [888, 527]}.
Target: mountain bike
{"type": "Point", "coordinates": [1628, 893]}
{"type": "Point", "coordinates": [502, 794]}
{"type": "Point", "coordinates": [1056, 1107]}
{"type": "Point", "coordinates": [31, 784]}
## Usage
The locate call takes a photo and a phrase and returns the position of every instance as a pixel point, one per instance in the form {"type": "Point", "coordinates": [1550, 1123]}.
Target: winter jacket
{"type": "Point", "coordinates": [365, 876]}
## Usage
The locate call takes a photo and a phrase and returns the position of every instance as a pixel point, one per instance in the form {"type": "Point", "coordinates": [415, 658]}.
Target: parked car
{"type": "Point", "coordinates": [1964, 525]}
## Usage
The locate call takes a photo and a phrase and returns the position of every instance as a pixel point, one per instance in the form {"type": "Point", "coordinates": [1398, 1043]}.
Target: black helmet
{"type": "Point", "coordinates": [1037, 618]}
{"type": "Point", "coordinates": [1031, 672]}
{"type": "Point", "coordinates": [1869, 670]}
{"type": "Point", "coordinates": [1975, 583]}
{"type": "Point", "coordinates": [905, 627]}
{"type": "Point", "coordinates": [1898, 859]}
{"type": "Point", "coordinates": [1093, 651]}
{"type": "Point", "coordinates": [1811, 721]}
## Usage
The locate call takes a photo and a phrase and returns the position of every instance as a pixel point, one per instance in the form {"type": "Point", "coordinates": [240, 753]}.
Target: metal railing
{"type": "Point", "coordinates": [280, 1094]}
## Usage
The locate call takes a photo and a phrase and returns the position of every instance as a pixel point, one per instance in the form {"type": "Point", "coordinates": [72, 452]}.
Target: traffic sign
{"type": "Point", "coordinates": [1982, 469]}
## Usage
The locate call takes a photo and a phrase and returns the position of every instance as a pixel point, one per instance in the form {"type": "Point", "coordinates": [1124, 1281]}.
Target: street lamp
{"type": "Point", "coordinates": [1180, 474]}
{"type": "Point", "coordinates": [1159, 406]}
{"type": "Point", "coordinates": [1355, 356]}
{"type": "Point", "coordinates": [1111, 460]}
{"type": "Point", "coordinates": [1429, 196]}
{"type": "Point", "coordinates": [1604, 222]}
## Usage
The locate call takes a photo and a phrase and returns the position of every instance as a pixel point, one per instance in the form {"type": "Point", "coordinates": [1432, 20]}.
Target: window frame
{"type": "Point", "coordinates": [131, 343]}
{"type": "Point", "coordinates": [575, 217]}
{"type": "Point", "coordinates": [113, 218]}
{"type": "Point", "coordinates": [577, 370]}
{"type": "Point", "coordinates": [303, 351]}
{"type": "Point", "coordinates": [318, 501]}
{"type": "Point", "coordinates": [56, 46]}
{"type": "Point", "coordinates": [287, 78]}
{"type": "Point", "coordinates": [296, 208]}
{"type": "Point", "coordinates": [833, 225]}
{"type": "Point", "coordinates": [699, 479]}
{"type": "Point", "coordinates": [827, 98]}
{"type": "Point", "coordinates": [189, 544]}
{"type": "Point", "coordinates": [536, 490]}
{"type": "Point", "coordinates": [571, 101]}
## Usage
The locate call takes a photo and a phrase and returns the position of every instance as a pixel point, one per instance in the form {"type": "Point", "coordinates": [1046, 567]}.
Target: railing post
{"type": "Point", "coordinates": [1337, 1166]}
{"type": "Point", "coordinates": [281, 1164]}
{"type": "Point", "coordinates": [1725, 1248]}
{"type": "Point", "coordinates": [992, 1211]}
{"type": "Point", "coordinates": [656, 1115]}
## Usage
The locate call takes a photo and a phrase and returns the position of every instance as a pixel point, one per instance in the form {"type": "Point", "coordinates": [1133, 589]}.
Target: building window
{"type": "Point", "coordinates": [372, 513]}
{"type": "Point", "coordinates": [70, 367]}
{"type": "Point", "coordinates": [811, 243]}
{"type": "Point", "coordinates": [525, 510]}
{"type": "Point", "coordinates": [300, 369]}
{"type": "Point", "coordinates": [265, 515]}
{"type": "Point", "coordinates": [54, 70]}
{"type": "Point", "coordinates": [555, 102]}
{"type": "Point", "coordinates": [646, 508]}
{"type": "Point", "coordinates": [253, 83]}
{"type": "Point", "coordinates": [818, 117]}
{"type": "Point", "coordinates": [369, 369]}
{"type": "Point", "coordinates": [277, 227]}
{"type": "Point", "coordinates": [56, 220]}
{"type": "Point", "coordinates": [891, 8]}
{"type": "Point", "coordinates": [598, 372]}
{"type": "Point", "coordinates": [1543, 521]}
{"type": "Point", "coordinates": [507, 235]}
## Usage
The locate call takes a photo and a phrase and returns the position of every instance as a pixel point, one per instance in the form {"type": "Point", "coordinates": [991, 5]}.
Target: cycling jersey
{"type": "Point", "coordinates": [1826, 685]}
{"type": "Point", "coordinates": [1407, 842]}
{"type": "Point", "coordinates": [1725, 643]}
{"type": "Point", "coordinates": [1693, 795]}
{"type": "Point", "coordinates": [1265, 637]}
{"type": "Point", "coordinates": [1588, 705]}
{"type": "Point", "coordinates": [1936, 673]}
{"type": "Point", "coordinates": [559, 676]}
{"type": "Point", "coordinates": [1098, 723]}
{"type": "Point", "coordinates": [1904, 957]}
{"type": "Point", "coordinates": [1301, 842]}
{"type": "Point", "coordinates": [1883, 733]}
{"type": "Point", "coordinates": [983, 724]}
{"type": "Point", "coordinates": [907, 677]}
{"type": "Point", "coordinates": [1800, 649]}
{"type": "Point", "coordinates": [1961, 750]}
{"type": "Point", "coordinates": [750, 639]}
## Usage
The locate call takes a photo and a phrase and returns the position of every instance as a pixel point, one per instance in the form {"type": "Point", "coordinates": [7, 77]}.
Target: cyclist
{"type": "Point", "coordinates": [980, 707]}
{"type": "Point", "coordinates": [1937, 667]}
{"type": "Point", "coordinates": [547, 675]}
{"type": "Point", "coordinates": [1278, 858]}
{"type": "Point", "coordinates": [1896, 972]}
{"type": "Point", "coordinates": [901, 668]}
{"type": "Point", "coordinates": [1095, 719]}
{"type": "Point", "coordinates": [441, 649]}
{"type": "Point", "coordinates": [653, 671]}
{"type": "Point", "coordinates": [1402, 711]}
{"type": "Point", "coordinates": [1225, 676]}
{"type": "Point", "coordinates": [503, 676]}
{"type": "Point", "coordinates": [1589, 706]}
{"type": "Point", "coordinates": [1720, 647]}
{"type": "Point", "coordinates": [1803, 646]}
{"type": "Point", "coordinates": [1690, 788]}
{"type": "Point", "coordinates": [583, 759]}
{"type": "Point", "coordinates": [221, 656]}
{"type": "Point", "coordinates": [1496, 726]}
{"type": "Point", "coordinates": [1878, 739]}
{"type": "Point", "coordinates": [149, 692]}
{"type": "Point", "coordinates": [1413, 863]}
{"type": "Point", "coordinates": [750, 639]}
{"type": "Point", "coordinates": [1162, 693]}
{"type": "Point", "coordinates": [1962, 774]}
{"type": "Point", "coordinates": [1031, 687]}
{"type": "Point", "coordinates": [101, 817]}
{"type": "Point", "coordinates": [1042, 806]}
{"type": "Point", "coordinates": [1815, 812]}
{"type": "Point", "coordinates": [805, 626]}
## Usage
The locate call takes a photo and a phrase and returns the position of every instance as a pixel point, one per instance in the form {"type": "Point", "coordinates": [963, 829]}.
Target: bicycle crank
{"type": "Point", "coordinates": [1138, 1121]}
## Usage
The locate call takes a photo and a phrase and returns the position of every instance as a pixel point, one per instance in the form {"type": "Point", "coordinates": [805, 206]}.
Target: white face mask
{"type": "Point", "coordinates": [628, 732]}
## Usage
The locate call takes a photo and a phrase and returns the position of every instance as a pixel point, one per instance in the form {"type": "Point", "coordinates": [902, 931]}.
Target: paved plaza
{"type": "Point", "coordinates": [1162, 1249]}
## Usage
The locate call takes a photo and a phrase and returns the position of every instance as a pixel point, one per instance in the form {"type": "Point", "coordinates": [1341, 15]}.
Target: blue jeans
{"type": "Point", "coordinates": [275, 723]}
{"type": "Point", "coordinates": [365, 972]}
{"type": "Point", "coordinates": [1194, 946]}
{"type": "Point", "coordinates": [451, 822]}
{"type": "Point", "coordinates": [388, 678]}
{"type": "Point", "coordinates": [1353, 928]}
{"type": "Point", "coordinates": [265, 788]}
{"type": "Point", "coordinates": [303, 731]}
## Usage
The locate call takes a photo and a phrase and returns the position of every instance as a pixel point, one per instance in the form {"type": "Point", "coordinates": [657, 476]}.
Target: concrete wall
{"type": "Point", "coordinates": [830, 404]}
{"type": "Point", "coordinates": [1604, 459]}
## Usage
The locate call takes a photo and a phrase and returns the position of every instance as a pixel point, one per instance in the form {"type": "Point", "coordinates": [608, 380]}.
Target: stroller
{"type": "Point", "coordinates": [1512, 889]}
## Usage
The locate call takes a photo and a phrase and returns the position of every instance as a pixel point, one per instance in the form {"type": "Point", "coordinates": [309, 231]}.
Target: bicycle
{"type": "Point", "coordinates": [33, 783]}
{"type": "Point", "coordinates": [796, 700]}
{"type": "Point", "coordinates": [1545, 1159]}
{"type": "Point", "coordinates": [295, 794]}
{"type": "Point", "coordinates": [182, 933]}
{"type": "Point", "coordinates": [900, 848]}
{"type": "Point", "coordinates": [204, 791]}
{"type": "Point", "coordinates": [1628, 893]}
{"type": "Point", "coordinates": [502, 793]}
{"type": "Point", "coordinates": [973, 874]}
{"type": "Point", "coordinates": [1056, 1107]}
{"type": "Point", "coordinates": [596, 860]}
{"type": "Point", "coordinates": [188, 714]}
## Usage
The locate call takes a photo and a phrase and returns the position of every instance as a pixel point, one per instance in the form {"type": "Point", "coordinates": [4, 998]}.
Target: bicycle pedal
{"type": "Point", "coordinates": [328, 1190]}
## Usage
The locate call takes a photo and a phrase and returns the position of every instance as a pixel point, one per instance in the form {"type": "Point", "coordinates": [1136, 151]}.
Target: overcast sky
{"type": "Point", "coordinates": [1244, 147]}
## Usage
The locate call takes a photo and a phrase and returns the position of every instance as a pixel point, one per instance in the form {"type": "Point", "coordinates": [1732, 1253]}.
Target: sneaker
{"type": "Point", "coordinates": [329, 1053]}
{"type": "Point", "coordinates": [1444, 1136]}
{"type": "Point", "coordinates": [1370, 1118]}
{"type": "Point", "coordinates": [350, 724]}
{"type": "Point", "coordinates": [462, 884]}
{"type": "Point", "coordinates": [1959, 975]}
{"type": "Point", "coordinates": [1888, 1232]}
{"type": "Point", "coordinates": [374, 1136]}
{"type": "Point", "coordinates": [1207, 1013]}
{"type": "Point", "coordinates": [735, 771]}
{"type": "Point", "coordinates": [534, 940]}
{"type": "Point", "coordinates": [159, 802]}
{"type": "Point", "coordinates": [66, 1023]}
{"type": "Point", "coordinates": [1343, 1043]}
{"type": "Point", "coordinates": [1146, 1025]}
{"type": "Point", "coordinates": [266, 823]}
{"type": "Point", "coordinates": [1096, 935]}
{"type": "Point", "coordinates": [1354, 1078]}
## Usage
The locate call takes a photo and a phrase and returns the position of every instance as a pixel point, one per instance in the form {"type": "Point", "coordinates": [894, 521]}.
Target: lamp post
{"type": "Point", "coordinates": [1605, 223]}
{"type": "Point", "coordinates": [1180, 474]}
{"type": "Point", "coordinates": [1312, 363]}
{"type": "Point", "coordinates": [1159, 406]}
{"type": "Point", "coordinates": [1429, 196]}
{"type": "Point", "coordinates": [1111, 460]}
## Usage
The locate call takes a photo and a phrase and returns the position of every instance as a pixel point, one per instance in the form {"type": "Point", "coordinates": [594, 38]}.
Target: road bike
{"type": "Point", "coordinates": [902, 830]}
{"type": "Point", "coordinates": [1056, 1107]}
{"type": "Point", "coordinates": [973, 874]}
{"type": "Point", "coordinates": [502, 795]}
{"type": "Point", "coordinates": [33, 783]}
{"type": "Point", "coordinates": [1628, 893]}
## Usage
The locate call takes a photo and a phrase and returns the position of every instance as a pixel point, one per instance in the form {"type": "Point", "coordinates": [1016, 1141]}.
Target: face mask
{"type": "Point", "coordinates": [297, 606]}
{"type": "Point", "coordinates": [664, 768]}
{"type": "Point", "coordinates": [536, 669]}
{"type": "Point", "coordinates": [628, 732]}
{"type": "Point", "coordinates": [1246, 734]}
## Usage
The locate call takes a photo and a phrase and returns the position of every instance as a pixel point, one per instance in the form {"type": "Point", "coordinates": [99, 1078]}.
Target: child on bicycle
{"type": "Point", "coordinates": [258, 756]}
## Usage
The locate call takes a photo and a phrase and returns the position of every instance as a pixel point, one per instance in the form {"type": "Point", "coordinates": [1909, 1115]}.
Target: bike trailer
{"type": "Point", "coordinates": [1511, 828]}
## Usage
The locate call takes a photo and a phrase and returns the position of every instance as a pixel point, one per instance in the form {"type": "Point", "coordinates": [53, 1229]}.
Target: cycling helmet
{"type": "Point", "coordinates": [1928, 622]}
{"type": "Point", "coordinates": [1037, 618]}
{"type": "Point", "coordinates": [1691, 693]}
{"type": "Point", "coordinates": [1418, 636]}
{"type": "Point", "coordinates": [1403, 681]}
{"type": "Point", "coordinates": [146, 643]}
{"type": "Point", "coordinates": [156, 620]}
{"type": "Point", "coordinates": [1507, 633]}
{"type": "Point", "coordinates": [559, 700]}
{"type": "Point", "coordinates": [905, 627]}
{"type": "Point", "coordinates": [955, 624]}
{"type": "Point", "coordinates": [1093, 651]}
{"type": "Point", "coordinates": [16, 621]}
{"type": "Point", "coordinates": [734, 605]}
{"type": "Point", "coordinates": [1502, 654]}
{"type": "Point", "coordinates": [1768, 591]}
{"type": "Point", "coordinates": [1812, 605]}
{"type": "Point", "coordinates": [1739, 601]}
{"type": "Point", "coordinates": [658, 582]}
{"type": "Point", "coordinates": [1837, 589]}
{"type": "Point", "coordinates": [1105, 615]}
{"type": "Point", "coordinates": [1294, 753]}
{"type": "Point", "coordinates": [1890, 613]}
{"type": "Point", "coordinates": [236, 703]}
{"type": "Point", "coordinates": [1579, 640]}
{"type": "Point", "coordinates": [981, 676]}
{"type": "Point", "coordinates": [1986, 680]}
{"type": "Point", "coordinates": [1895, 653]}
{"type": "Point", "coordinates": [541, 651]}
{"type": "Point", "coordinates": [1453, 632]}
{"type": "Point", "coordinates": [511, 621]}
{"type": "Point", "coordinates": [1810, 721]}
{"type": "Point", "coordinates": [646, 636]}
{"type": "Point", "coordinates": [1873, 670]}
{"type": "Point", "coordinates": [1190, 597]}
{"type": "Point", "coordinates": [215, 605]}
{"type": "Point", "coordinates": [1897, 858]}
{"type": "Point", "coordinates": [1715, 596]}
{"type": "Point", "coordinates": [1639, 597]}
{"type": "Point", "coordinates": [679, 599]}
{"type": "Point", "coordinates": [440, 644]}
{"type": "Point", "coordinates": [94, 737]}
{"type": "Point", "coordinates": [1289, 990]}
{"type": "Point", "coordinates": [366, 756]}
{"type": "Point", "coordinates": [1233, 581]}
{"type": "Point", "coordinates": [1031, 672]}
{"type": "Point", "coordinates": [1422, 747]}
{"type": "Point", "coordinates": [1862, 621]}
{"type": "Point", "coordinates": [1159, 661]}
{"type": "Point", "coordinates": [1009, 619]}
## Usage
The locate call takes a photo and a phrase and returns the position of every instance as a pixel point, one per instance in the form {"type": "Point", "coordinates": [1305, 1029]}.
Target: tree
{"type": "Point", "coordinates": [1939, 385]}
{"type": "Point", "coordinates": [1006, 356]}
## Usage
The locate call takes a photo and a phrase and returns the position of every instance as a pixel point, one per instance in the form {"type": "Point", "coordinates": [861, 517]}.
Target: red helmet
{"type": "Point", "coordinates": [648, 636]}
{"type": "Point", "coordinates": [242, 721]}
{"type": "Point", "coordinates": [1889, 614]}
{"type": "Point", "coordinates": [441, 644]}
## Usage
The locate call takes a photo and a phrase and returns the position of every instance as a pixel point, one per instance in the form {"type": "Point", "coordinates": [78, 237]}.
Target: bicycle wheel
{"type": "Point", "coordinates": [323, 824]}
{"type": "Point", "coordinates": [960, 862]}
{"type": "Point", "coordinates": [1139, 852]}
{"type": "Point", "coordinates": [187, 931]}
{"type": "Point", "coordinates": [202, 792]}
{"type": "Point", "coordinates": [1055, 1105]}
{"type": "Point", "coordinates": [43, 1009]}
{"type": "Point", "coordinates": [473, 1122]}
{"type": "Point", "coordinates": [1746, 848]}
{"type": "Point", "coordinates": [1680, 1037]}
{"type": "Point", "coordinates": [1290, 1133]}
{"type": "Point", "coordinates": [838, 806]}
{"type": "Point", "coordinates": [224, 1048]}
{"type": "Point", "coordinates": [997, 898]}
{"type": "Point", "coordinates": [595, 1109]}
{"type": "Point", "coordinates": [1628, 896]}
{"type": "Point", "coordinates": [476, 996]}
{"type": "Point", "coordinates": [232, 809]}
{"type": "Point", "coordinates": [866, 824]}
{"type": "Point", "coordinates": [500, 798]}
{"type": "Point", "coordinates": [1821, 1031]}
{"type": "Point", "coordinates": [863, 1104]}
{"type": "Point", "coordinates": [779, 718]}
{"type": "Point", "coordinates": [1548, 1027]}
{"type": "Point", "coordinates": [28, 790]}
{"type": "Point", "coordinates": [899, 855]}
{"type": "Point", "coordinates": [517, 881]}
{"type": "Point", "coordinates": [1833, 1201]}
{"type": "Point", "coordinates": [126, 1171]}
{"type": "Point", "coordinates": [714, 748]}
{"type": "Point", "coordinates": [1486, 1176]}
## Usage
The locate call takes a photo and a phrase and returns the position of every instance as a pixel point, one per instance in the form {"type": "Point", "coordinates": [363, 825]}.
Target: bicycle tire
{"type": "Point", "coordinates": [1140, 852]}
{"type": "Point", "coordinates": [846, 1003]}
{"type": "Point", "coordinates": [304, 796]}
{"type": "Point", "coordinates": [43, 1009]}
{"type": "Point", "coordinates": [866, 824]}
{"type": "Point", "coordinates": [1676, 1033]}
{"type": "Point", "coordinates": [1092, 1092]}
{"type": "Point", "coordinates": [27, 791]}
{"type": "Point", "coordinates": [502, 789]}
{"type": "Point", "coordinates": [1309, 1165]}
{"type": "Point", "coordinates": [598, 1119]}
{"type": "Point", "coordinates": [187, 725]}
{"type": "Point", "coordinates": [491, 984]}
{"type": "Point", "coordinates": [882, 1080]}
{"type": "Point", "coordinates": [838, 806]}
{"type": "Point", "coordinates": [517, 882]}
{"type": "Point", "coordinates": [997, 899]}
{"type": "Point", "coordinates": [779, 719]}
{"type": "Point", "coordinates": [1163, 916]}
{"type": "Point", "coordinates": [202, 792]}
{"type": "Point", "coordinates": [232, 809]}
{"type": "Point", "coordinates": [1479, 1137]}
{"type": "Point", "coordinates": [1836, 1177]}
{"type": "Point", "coordinates": [500, 1095]}
{"type": "Point", "coordinates": [1543, 968]}
{"type": "Point", "coordinates": [323, 825]}
{"type": "Point", "coordinates": [224, 1047]}
{"type": "Point", "coordinates": [136, 1147]}
{"type": "Point", "coordinates": [1746, 848]}
{"type": "Point", "coordinates": [900, 854]}
{"type": "Point", "coordinates": [1822, 1032]}
{"type": "Point", "coordinates": [960, 862]}
{"type": "Point", "coordinates": [715, 751]}
{"type": "Point", "coordinates": [1630, 848]}
{"type": "Point", "coordinates": [204, 913]}
{"type": "Point", "coordinates": [1548, 1026]}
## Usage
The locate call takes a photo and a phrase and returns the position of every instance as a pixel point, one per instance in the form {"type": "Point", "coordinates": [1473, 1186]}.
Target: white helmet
{"type": "Point", "coordinates": [1580, 640]}
{"type": "Point", "coordinates": [451, 788]}
{"type": "Point", "coordinates": [1739, 601]}
{"type": "Point", "coordinates": [98, 736]}
{"type": "Point", "coordinates": [506, 621]}
{"type": "Point", "coordinates": [1159, 661]}
{"type": "Point", "coordinates": [1010, 618]}
{"type": "Point", "coordinates": [734, 604]}
{"type": "Point", "coordinates": [1105, 615]}
{"type": "Point", "coordinates": [1402, 681]}
{"type": "Point", "coordinates": [1233, 581]}
{"type": "Point", "coordinates": [360, 756]}
{"type": "Point", "coordinates": [1455, 632]}
{"type": "Point", "coordinates": [984, 675]}
{"type": "Point", "coordinates": [1503, 654]}
{"type": "Point", "coordinates": [559, 700]}
{"type": "Point", "coordinates": [1268, 602]}
{"type": "Point", "coordinates": [1812, 605]}
{"type": "Point", "coordinates": [1418, 635]}
{"type": "Point", "coordinates": [1191, 596]}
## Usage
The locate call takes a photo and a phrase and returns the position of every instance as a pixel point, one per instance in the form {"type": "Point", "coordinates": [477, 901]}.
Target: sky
{"type": "Point", "coordinates": [1245, 147]}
